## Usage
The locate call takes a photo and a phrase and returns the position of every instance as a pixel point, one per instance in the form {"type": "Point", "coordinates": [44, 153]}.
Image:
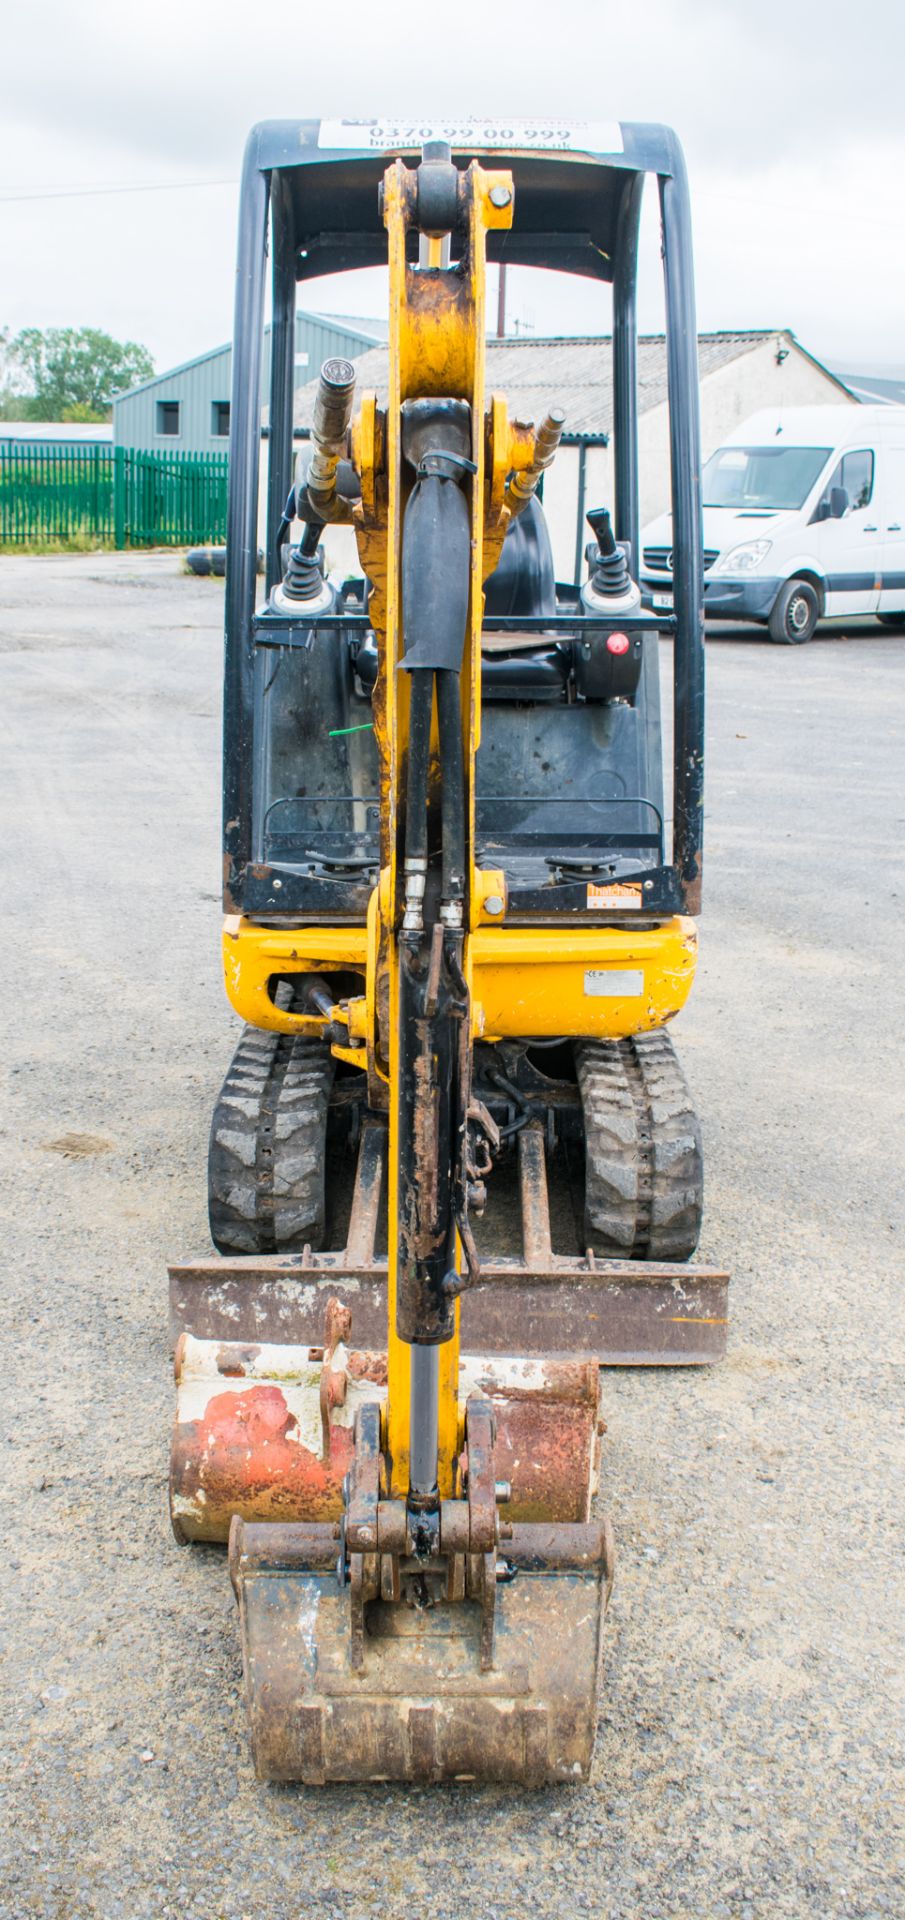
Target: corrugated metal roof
{"type": "Point", "coordinates": [575, 374]}
{"type": "Point", "coordinates": [883, 388]}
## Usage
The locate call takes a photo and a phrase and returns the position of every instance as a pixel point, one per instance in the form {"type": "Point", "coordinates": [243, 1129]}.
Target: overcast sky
{"type": "Point", "coordinates": [791, 116]}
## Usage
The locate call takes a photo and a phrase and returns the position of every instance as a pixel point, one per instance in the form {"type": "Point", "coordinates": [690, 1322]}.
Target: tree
{"type": "Point", "coordinates": [76, 367]}
{"type": "Point", "coordinates": [12, 401]}
{"type": "Point", "coordinates": [81, 414]}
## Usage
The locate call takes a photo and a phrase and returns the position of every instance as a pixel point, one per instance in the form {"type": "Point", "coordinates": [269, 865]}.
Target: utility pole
{"type": "Point", "coordinates": [501, 305]}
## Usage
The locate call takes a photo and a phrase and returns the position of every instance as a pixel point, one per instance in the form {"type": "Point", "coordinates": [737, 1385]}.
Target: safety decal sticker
{"type": "Point", "coordinates": [624, 898]}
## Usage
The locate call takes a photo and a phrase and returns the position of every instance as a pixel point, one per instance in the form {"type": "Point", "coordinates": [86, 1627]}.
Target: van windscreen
{"type": "Point", "coordinates": [765, 477]}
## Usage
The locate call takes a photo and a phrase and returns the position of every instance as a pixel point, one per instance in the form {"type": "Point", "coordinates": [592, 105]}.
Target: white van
{"type": "Point", "coordinates": [804, 520]}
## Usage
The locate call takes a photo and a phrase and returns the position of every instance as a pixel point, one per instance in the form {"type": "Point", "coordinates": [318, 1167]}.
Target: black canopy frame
{"type": "Point", "coordinates": [577, 213]}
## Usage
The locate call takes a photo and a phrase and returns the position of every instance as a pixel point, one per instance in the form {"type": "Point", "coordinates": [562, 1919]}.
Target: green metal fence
{"type": "Point", "coordinates": [169, 500]}
{"type": "Point", "coordinates": [55, 494]}
{"type": "Point", "coordinates": [111, 496]}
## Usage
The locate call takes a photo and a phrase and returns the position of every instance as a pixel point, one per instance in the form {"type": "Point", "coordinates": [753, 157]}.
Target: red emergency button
{"type": "Point", "coordinates": [617, 643]}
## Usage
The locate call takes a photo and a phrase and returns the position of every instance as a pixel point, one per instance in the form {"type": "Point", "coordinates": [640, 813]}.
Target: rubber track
{"type": "Point", "coordinates": [644, 1169]}
{"type": "Point", "coordinates": [267, 1145]}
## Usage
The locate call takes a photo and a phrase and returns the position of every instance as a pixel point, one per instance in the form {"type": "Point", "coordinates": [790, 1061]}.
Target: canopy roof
{"type": "Point", "coordinates": [567, 200]}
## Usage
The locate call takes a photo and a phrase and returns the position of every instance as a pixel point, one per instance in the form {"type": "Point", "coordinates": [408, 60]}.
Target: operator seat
{"type": "Point", "coordinates": [515, 667]}
{"type": "Point", "coordinates": [524, 581]}
{"type": "Point", "coordinates": [519, 666]}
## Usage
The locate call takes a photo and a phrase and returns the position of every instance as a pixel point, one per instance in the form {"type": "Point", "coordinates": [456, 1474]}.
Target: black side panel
{"type": "Point", "coordinates": [625, 367]}
{"type": "Point", "coordinates": [242, 525]}
{"type": "Point", "coordinates": [688, 531]}
{"type": "Point", "coordinates": [282, 367]}
{"type": "Point", "coordinates": [557, 774]}
{"type": "Point", "coordinates": [317, 778]}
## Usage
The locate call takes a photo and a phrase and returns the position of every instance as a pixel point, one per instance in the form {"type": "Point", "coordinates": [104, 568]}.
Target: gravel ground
{"type": "Point", "coordinates": [752, 1710]}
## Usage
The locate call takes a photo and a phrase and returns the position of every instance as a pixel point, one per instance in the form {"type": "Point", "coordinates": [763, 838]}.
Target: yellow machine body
{"type": "Point", "coordinates": [606, 981]}
{"type": "Point", "coordinates": [539, 980]}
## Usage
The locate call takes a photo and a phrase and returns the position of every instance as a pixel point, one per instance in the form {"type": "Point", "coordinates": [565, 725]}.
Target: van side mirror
{"type": "Point", "coordinates": [838, 502]}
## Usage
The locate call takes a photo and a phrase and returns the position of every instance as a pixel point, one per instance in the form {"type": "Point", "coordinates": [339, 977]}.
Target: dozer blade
{"type": "Point", "coordinates": [623, 1312]}
{"type": "Point", "coordinates": [266, 1432]}
{"type": "Point", "coordinates": [420, 1707]}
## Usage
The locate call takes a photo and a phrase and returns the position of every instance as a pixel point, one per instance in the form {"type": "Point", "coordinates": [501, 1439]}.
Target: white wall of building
{"type": "Point", "coordinates": [728, 396]}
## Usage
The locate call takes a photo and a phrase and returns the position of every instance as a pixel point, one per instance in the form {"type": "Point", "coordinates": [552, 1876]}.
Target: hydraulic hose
{"type": "Point", "coordinates": [452, 792]}
{"type": "Point", "coordinates": [436, 552]}
{"type": "Point", "coordinates": [420, 704]}
{"type": "Point", "coordinates": [283, 529]}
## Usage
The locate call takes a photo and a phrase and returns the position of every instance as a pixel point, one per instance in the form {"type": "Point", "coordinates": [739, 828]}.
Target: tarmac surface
{"type": "Point", "coordinates": [750, 1745]}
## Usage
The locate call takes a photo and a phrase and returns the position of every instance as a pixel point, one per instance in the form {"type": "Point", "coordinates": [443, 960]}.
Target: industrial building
{"type": "Point", "coordinates": [186, 410]}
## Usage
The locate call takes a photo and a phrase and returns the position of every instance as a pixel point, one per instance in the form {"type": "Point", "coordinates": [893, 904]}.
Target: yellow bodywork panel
{"type": "Point", "coordinates": [253, 954]}
{"type": "Point", "coordinates": [593, 982]}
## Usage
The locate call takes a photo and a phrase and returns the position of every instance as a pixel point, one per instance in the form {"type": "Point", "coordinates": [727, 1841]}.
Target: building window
{"type": "Point", "coordinates": [220, 419]}
{"type": "Point", "coordinates": [168, 416]}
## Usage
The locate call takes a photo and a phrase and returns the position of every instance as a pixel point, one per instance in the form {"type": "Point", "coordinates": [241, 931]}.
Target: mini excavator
{"type": "Point", "coordinates": [456, 929]}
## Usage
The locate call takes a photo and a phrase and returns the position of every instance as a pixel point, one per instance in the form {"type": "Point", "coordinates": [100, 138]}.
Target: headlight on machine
{"type": "Point", "coordinates": [743, 559]}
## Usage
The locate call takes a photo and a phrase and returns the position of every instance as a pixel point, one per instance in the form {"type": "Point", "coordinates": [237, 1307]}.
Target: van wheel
{"type": "Point", "coordinates": [892, 620]}
{"type": "Point", "coordinates": [795, 613]}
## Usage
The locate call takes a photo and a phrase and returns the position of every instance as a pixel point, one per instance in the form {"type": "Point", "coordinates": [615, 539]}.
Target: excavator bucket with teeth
{"type": "Point", "coordinates": [422, 1706]}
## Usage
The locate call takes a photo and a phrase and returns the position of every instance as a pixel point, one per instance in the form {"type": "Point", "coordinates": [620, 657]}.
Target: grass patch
{"type": "Point", "coordinates": [87, 542]}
